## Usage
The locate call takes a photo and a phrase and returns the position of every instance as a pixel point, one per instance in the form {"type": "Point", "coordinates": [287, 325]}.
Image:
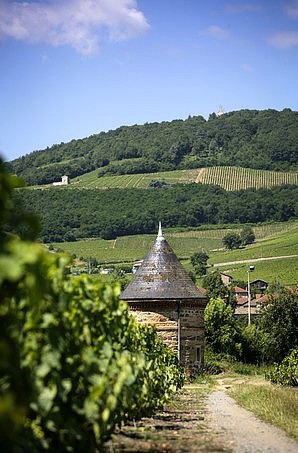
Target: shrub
{"type": "Point", "coordinates": [285, 373]}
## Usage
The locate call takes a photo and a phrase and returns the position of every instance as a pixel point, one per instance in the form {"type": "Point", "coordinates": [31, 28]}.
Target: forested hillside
{"type": "Point", "coordinates": [67, 215]}
{"type": "Point", "coordinates": [265, 139]}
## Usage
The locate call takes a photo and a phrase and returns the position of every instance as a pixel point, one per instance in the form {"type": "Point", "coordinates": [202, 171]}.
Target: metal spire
{"type": "Point", "coordinates": [160, 235]}
{"type": "Point", "coordinates": [161, 276]}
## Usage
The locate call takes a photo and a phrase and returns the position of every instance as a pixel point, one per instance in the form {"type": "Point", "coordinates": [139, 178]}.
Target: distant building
{"type": "Point", "coordinates": [258, 285]}
{"type": "Point", "coordinates": [242, 303]}
{"type": "Point", "coordinates": [64, 181]}
{"type": "Point", "coordinates": [221, 111]}
{"type": "Point", "coordinates": [136, 266]}
{"type": "Point", "coordinates": [162, 294]}
{"type": "Point", "coordinates": [226, 279]}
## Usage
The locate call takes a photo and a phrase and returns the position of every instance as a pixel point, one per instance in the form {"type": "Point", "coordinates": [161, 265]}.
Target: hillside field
{"type": "Point", "coordinates": [272, 240]}
{"type": "Point", "coordinates": [230, 178]}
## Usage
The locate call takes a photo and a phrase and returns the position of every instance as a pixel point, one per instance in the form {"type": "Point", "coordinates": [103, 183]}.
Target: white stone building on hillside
{"type": "Point", "coordinates": [64, 181]}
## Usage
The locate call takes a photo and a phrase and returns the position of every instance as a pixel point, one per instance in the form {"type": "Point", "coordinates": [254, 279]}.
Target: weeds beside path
{"type": "Point", "coordinates": [202, 418]}
{"type": "Point", "coordinates": [238, 428]}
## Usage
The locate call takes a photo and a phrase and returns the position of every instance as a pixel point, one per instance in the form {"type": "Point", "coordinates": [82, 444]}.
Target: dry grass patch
{"type": "Point", "coordinates": [272, 403]}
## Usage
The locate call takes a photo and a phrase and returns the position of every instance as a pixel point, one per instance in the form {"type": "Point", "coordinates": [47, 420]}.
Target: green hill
{"type": "Point", "coordinates": [230, 178]}
{"type": "Point", "coordinates": [265, 140]}
{"type": "Point", "coordinates": [273, 241]}
{"type": "Point", "coordinates": [67, 215]}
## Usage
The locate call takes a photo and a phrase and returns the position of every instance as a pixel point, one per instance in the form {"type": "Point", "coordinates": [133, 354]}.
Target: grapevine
{"type": "Point", "coordinates": [74, 364]}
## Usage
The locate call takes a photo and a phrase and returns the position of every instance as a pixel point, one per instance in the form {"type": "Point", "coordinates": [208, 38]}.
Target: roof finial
{"type": "Point", "coordinates": [160, 235]}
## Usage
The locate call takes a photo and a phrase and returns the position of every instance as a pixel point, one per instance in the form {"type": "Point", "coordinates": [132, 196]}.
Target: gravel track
{"type": "Point", "coordinates": [241, 431]}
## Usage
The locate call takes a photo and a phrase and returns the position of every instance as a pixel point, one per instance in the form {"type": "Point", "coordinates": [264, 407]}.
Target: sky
{"type": "Point", "coordinates": [73, 68]}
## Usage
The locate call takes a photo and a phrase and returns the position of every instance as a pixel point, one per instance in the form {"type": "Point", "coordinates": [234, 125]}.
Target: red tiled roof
{"type": "Point", "coordinates": [237, 289]}
{"type": "Point", "coordinates": [242, 300]}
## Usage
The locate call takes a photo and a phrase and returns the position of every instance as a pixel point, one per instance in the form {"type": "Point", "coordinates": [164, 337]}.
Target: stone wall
{"type": "Point", "coordinates": [165, 322]}
{"type": "Point", "coordinates": [192, 335]}
{"type": "Point", "coordinates": [171, 318]}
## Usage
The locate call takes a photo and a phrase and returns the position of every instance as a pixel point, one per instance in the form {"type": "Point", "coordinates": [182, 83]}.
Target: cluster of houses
{"type": "Point", "coordinates": [248, 299]}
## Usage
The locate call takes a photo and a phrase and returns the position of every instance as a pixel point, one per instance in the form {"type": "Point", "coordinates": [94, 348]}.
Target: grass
{"type": "Point", "coordinates": [278, 243]}
{"type": "Point", "coordinates": [286, 243]}
{"type": "Point", "coordinates": [183, 423]}
{"type": "Point", "coordinates": [230, 178]}
{"type": "Point", "coordinates": [272, 240]}
{"type": "Point", "coordinates": [274, 404]}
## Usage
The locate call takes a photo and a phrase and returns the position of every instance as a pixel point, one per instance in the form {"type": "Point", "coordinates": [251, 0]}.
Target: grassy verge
{"type": "Point", "coordinates": [272, 403]}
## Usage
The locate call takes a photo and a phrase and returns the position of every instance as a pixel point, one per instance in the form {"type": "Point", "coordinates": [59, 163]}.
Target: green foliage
{"type": "Point", "coordinates": [247, 138]}
{"type": "Point", "coordinates": [247, 236]}
{"type": "Point", "coordinates": [254, 344]}
{"type": "Point", "coordinates": [285, 373]}
{"type": "Point", "coordinates": [199, 262]}
{"type": "Point", "coordinates": [214, 285]}
{"type": "Point", "coordinates": [279, 323]}
{"type": "Point", "coordinates": [218, 362]}
{"type": "Point", "coordinates": [157, 183]}
{"type": "Point", "coordinates": [112, 213]}
{"type": "Point", "coordinates": [73, 363]}
{"type": "Point", "coordinates": [232, 241]}
{"type": "Point", "coordinates": [222, 333]}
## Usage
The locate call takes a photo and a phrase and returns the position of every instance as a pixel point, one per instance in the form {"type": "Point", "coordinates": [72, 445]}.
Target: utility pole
{"type": "Point", "coordinates": [251, 268]}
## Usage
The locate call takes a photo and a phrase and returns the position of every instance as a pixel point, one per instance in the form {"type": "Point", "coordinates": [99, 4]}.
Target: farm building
{"type": "Point", "coordinates": [259, 285]}
{"type": "Point", "coordinates": [64, 181]}
{"type": "Point", "coordinates": [162, 294]}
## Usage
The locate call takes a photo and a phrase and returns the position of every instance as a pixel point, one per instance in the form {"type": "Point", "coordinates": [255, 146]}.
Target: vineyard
{"type": "Point", "coordinates": [230, 178]}
{"type": "Point", "coordinates": [276, 239]}
{"type": "Point", "coordinates": [74, 364]}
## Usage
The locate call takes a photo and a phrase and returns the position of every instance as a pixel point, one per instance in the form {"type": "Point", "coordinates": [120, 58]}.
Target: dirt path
{"type": "Point", "coordinates": [254, 260]}
{"type": "Point", "coordinates": [200, 421]}
{"type": "Point", "coordinates": [180, 428]}
{"type": "Point", "coordinates": [241, 431]}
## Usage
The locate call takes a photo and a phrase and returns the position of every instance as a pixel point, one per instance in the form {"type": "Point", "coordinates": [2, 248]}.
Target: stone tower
{"type": "Point", "coordinates": [162, 294]}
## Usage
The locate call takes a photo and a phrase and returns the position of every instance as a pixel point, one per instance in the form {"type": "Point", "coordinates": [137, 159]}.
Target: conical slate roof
{"type": "Point", "coordinates": [161, 276]}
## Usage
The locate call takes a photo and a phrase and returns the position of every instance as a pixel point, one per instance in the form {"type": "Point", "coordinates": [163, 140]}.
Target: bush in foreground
{"type": "Point", "coordinates": [73, 363]}
{"type": "Point", "coordinates": [285, 373]}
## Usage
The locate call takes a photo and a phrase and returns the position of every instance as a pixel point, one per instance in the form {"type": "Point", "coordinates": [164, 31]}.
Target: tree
{"type": "Point", "coordinates": [69, 237]}
{"type": "Point", "coordinates": [279, 323]}
{"type": "Point", "coordinates": [232, 241]}
{"type": "Point", "coordinates": [158, 183]}
{"type": "Point", "coordinates": [214, 285]}
{"type": "Point", "coordinates": [199, 262]}
{"type": "Point", "coordinates": [247, 236]}
{"type": "Point", "coordinates": [221, 329]}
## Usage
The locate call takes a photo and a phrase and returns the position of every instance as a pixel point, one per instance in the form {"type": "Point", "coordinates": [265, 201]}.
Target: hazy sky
{"type": "Point", "coordinates": [72, 68]}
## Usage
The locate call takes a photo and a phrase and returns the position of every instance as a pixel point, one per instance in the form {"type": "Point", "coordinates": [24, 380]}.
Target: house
{"type": "Point", "coordinates": [161, 293]}
{"type": "Point", "coordinates": [241, 295]}
{"type": "Point", "coordinates": [136, 266]}
{"type": "Point", "coordinates": [259, 285]}
{"type": "Point", "coordinates": [64, 181]}
{"type": "Point", "coordinates": [242, 302]}
{"type": "Point", "coordinates": [240, 292]}
{"type": "Point", "coordinates": [226, 279]}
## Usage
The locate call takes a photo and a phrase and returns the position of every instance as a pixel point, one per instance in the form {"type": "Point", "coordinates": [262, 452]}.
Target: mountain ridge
{"type": "Point", "coordinates": [260, 139]}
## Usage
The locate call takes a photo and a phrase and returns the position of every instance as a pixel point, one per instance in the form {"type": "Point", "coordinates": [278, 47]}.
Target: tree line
{"type": "Point", "coordinates": [265, 139]}
{"type": "Point", "coordinates": [70, 214]}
